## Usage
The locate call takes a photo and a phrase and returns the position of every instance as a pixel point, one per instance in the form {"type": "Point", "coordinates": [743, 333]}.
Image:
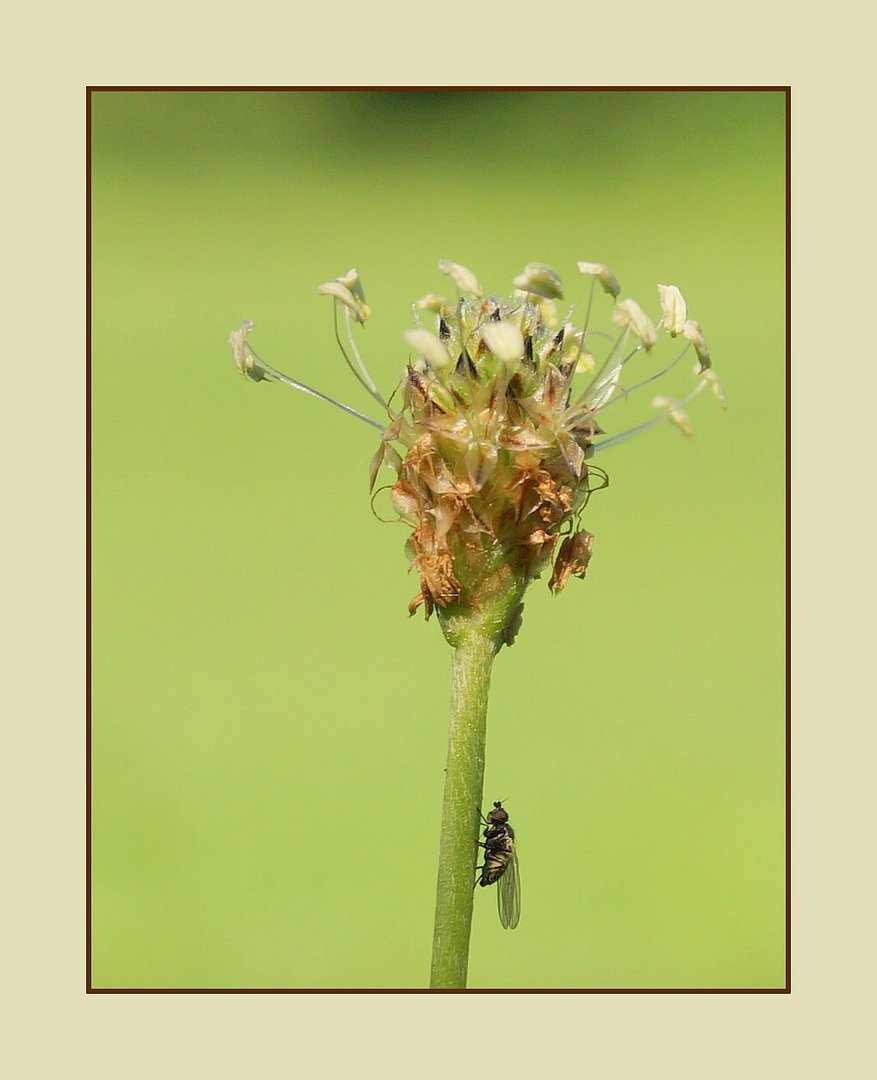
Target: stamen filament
{"type": "Point", "coordinates": [278, 376]}
{"type": "Point", "coordinates": [645, 382]}
{"type": "Point", "coordinates": [618, 341]}
{"type": "Point", "coordinates": [590, 301]}
{"type": "Point", "coordinates": [360, 379]}
{"type": "Point", "coordinates": [370, 383]}
{"type": "Point", "coordinates": [623, 436]}
{"type": "Point", "coordinates": [583, 333]}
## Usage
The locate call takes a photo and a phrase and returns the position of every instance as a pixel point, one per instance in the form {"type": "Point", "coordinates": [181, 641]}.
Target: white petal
{"type": "Point", "coordinates": [712, 381]}
{"type": "Point", "coordinates": [437, 304]}
{"type": "Point", "coordinates": [674, 308]}
{"type": "Point", "coordinates": [245, 359]}
{"type": "Point", "coordinates": [540, 279]}
{"type": "Point", "coordinates": [677, 417]}
{"type": "Point", "coordinates": [351, 281]}
{"type": "Point", "coordinates": [629, 313]}
{"type": "Point", "coordinates": [603, 274]}
{"type": "Point", "coordinates": [426, 343]}
{"type": "Point", "coordinates": [462, 277]}
{"type": "Point", "coordinates": [692, 332]}
{"type": "Point", "coordinates": [358, 310]}
{"type": "Point", "coordinates": [504, 340]}
{"type": "Point", "coordinates": [585, 363]}
{"type": "Point", "coordinates": [237, 340]}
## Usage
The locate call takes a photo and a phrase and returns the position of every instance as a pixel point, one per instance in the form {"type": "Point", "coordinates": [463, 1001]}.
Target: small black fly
{"type": "Point", "coordinates": [501, 865]}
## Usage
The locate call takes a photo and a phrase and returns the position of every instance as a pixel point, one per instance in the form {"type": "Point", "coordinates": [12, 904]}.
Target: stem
{"type": "Point", "coordinates": [476, 633]}
{"type": "Point", "coordinates": [464, 781]}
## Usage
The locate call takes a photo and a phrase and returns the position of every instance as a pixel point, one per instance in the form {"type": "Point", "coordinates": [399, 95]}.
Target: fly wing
{"type": "Point", "coordinates": [508, 893]}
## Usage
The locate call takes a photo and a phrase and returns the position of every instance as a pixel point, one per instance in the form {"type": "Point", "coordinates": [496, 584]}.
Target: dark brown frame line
{"type": "Point", "coordinates": [89, 987]}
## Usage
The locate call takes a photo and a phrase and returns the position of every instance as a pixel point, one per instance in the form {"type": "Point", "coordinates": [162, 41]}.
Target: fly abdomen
{"type": "Point", "coordinates": [498, 852]}
{"type": "Point", "coordinates": [493, 870]}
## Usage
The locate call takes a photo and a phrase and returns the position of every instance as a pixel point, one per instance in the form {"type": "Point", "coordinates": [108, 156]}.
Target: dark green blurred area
{"type": "Point", "coordinates": [268, 725]}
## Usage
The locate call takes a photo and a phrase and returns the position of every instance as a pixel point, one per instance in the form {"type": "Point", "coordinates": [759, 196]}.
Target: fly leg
{"type": "Point", "coordinates": [475, 884]}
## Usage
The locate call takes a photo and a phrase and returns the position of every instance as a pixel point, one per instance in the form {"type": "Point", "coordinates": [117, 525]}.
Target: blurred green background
{"type": "Point", "coordinates": [269, 726]}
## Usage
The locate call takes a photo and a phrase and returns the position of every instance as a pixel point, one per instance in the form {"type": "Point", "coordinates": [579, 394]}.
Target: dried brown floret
{"type": "Point", "coordinates": [572, 560]}
{"type": "Point", "coordinates": [423, 598]}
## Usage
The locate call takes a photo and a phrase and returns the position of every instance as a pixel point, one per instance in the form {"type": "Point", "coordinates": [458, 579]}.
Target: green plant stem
{"type": "Point", "coordinates": [464, 782]}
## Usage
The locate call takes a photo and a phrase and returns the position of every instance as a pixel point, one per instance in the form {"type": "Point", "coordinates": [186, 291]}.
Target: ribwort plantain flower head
{"type": "Point", "coordinates": [496, 421]}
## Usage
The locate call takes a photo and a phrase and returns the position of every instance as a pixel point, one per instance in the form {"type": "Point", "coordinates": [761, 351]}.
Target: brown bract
{"type": "Point", "coordinates": [572, 560]}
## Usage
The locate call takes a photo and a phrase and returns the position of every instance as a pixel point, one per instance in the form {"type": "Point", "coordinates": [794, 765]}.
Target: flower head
{"type": "Point", "coordinates": [491, 434]}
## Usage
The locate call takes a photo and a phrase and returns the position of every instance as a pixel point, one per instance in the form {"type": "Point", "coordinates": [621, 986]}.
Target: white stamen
{"type": "Point", "coordinates": [540, 279]}
{"type": "Point", "coordinates": [426, 343]}
{"type": "Point", "coordinates": [674, 414]}
{"type": "Point", "coordinates": [437, 304]}
{"type": "Point", "coordinates": [692, 332]}
{"type": "Point", "coordinates": [629, 313]}
{"type": "Point", "coordinates": [603, 274]}
{"type": "Point", "coordinates": [674, 308]}
{"type": "Point", "coordinates": [504, 340]}
{"type": "Point", "coordinates": [462, 277]}
{"type": "Point", "coordinates": [346, 298]}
